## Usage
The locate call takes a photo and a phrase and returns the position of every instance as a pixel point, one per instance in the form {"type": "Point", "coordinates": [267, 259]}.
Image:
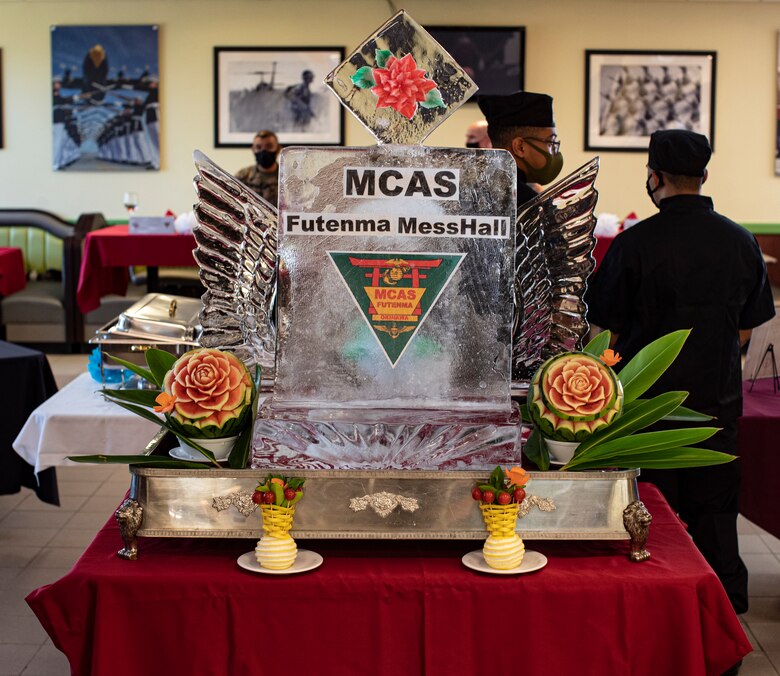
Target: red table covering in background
{"type": "Point", "coordinates": [110, 251]}
{"type": "Point", "coordinates": [602, 244]}
{"type": "Point", "coordinates": [391, 608]}
{"type": "Point", "coordinates": [759, 447]}
{"type": "Point", "coordinates": [12, 278]}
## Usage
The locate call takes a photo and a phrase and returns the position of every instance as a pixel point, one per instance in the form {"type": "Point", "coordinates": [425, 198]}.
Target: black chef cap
{"type": "Point", "coordinates": [679, 151]}
{"type": "Point", "coordinates": [520, 109]}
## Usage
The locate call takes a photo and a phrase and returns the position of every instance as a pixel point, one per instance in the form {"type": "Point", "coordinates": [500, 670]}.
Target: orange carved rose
{"type": "Point", "coordinates": [578, 387]}
{"type": "Point", "coordinates": [208, 387]}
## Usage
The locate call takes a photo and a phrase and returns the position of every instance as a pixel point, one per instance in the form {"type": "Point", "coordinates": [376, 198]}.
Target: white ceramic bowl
{"type": "Point", "coordinates": [561, 451]}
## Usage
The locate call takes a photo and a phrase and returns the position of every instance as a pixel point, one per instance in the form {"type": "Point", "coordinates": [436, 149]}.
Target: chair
{"type": "Point", "coordinates": [45, 312]}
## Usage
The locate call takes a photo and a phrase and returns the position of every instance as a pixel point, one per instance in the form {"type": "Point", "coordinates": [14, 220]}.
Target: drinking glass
{"type": "Point", "coordinates": [130, 201]}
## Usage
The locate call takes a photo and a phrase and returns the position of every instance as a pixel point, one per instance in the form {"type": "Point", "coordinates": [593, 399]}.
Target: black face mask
{"type": "Point", "coordinates": [650, 193]}
{"type": "Point", "coordinates": [472, 144]}
{"type": "Point", "coordinates": [265, 158]}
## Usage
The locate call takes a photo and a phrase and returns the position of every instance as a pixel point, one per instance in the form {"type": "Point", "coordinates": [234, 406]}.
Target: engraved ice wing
{"type": "Point", "coordinates": [236, 252]}
{"type": "Point", "coordinates": [553, 260]}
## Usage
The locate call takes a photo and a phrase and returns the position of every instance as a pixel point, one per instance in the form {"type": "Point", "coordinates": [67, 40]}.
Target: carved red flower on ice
{"type": "Point", "coordinates": [401, 85]}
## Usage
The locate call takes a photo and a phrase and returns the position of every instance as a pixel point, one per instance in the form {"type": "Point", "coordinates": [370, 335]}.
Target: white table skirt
{"type": "Point", "coordinates": [79, 421]}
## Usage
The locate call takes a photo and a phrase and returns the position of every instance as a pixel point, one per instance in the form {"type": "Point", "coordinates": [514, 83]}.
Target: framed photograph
{"type": "Point", "coordinates": [493, 56]}
{"type": "Point", "coordinates": [276, 88]}
{"type": "Point", "coordinates": [105, 98]}
{"type": "Point", "coordinates": [631, 94]}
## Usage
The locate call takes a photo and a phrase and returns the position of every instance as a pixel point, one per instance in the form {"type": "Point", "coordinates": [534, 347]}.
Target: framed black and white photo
{"type": "Point", "coordinates": [493, 56]}
{"type": "Point", "coordinates": [276, 88]}
{"type": "Point", "coordinates": [631, 94]}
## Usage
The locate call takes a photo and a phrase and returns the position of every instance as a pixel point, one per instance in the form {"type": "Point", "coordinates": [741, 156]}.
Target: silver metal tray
{"type": "Point", "coordinates": [164, 317]}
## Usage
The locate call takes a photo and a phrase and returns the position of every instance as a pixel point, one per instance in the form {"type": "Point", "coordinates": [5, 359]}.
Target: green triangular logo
{"type": "Point", "coordinates": [395, 290]}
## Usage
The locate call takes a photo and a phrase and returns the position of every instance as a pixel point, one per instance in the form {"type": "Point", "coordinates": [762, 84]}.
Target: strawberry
{"type": "Point", "coordinates": [519, 495]}
{"type": "Point", "coordinates": [289, 494]}
{"type": "Point", "coordinates": [476, 494]}
{"type": "Point", "coordinates": [504, 498]}
{"type": "Point", "coordinates": [268, 497]}
{"type": "Point", "coordinates": [257, 497]}
{"type": "Point", "coordinates": [488, 497]}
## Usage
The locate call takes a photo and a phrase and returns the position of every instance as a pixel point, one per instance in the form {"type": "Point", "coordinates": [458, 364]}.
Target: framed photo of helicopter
{"type": "Point", "coordinates": [276, 88]}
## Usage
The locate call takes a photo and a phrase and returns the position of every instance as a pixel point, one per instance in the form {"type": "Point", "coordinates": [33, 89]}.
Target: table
{"type": "Point", "coordinates": [759, 446]}
{"type": "Point", "coordinates": [110, 251]}
{"type": "Point", "coordinates": [12, 277]}
{"type": "Point", "coordinates": [79, 421]}
{"type": "Point", "coordinates": [394, 607]}
{"type": "Point", "coordinates": [27, 381]}
{"type": "Point", "coordinates": [599, 251]}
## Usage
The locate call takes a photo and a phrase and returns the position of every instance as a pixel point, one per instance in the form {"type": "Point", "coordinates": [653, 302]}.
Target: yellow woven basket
{"type": "Point", "coordinates": [500, 520]}
{"type": "Point", "coordinates": [277, 520]}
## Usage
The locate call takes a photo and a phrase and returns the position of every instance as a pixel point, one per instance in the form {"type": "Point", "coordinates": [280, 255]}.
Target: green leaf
{"type": "Point", "coordinates": [278, 492]}
{"type": "Point", "coordinates": [138, 370]}
{"type": "Point", "coordinates": [486, 487]}
{"type": "Point", "coordinates": [647, 443]}
{"type": "Point", "coordinates": [144, 413]}
{"type": "Point", "coordinates": [599, 343]}
{"type": "Point", "coordinates": [140, 397]}
{"type": "Point", "coordinates": [433, 100]}
{"type": "Point", "coordinates": [674, 458]}
{"type": "Point", "coordinates": [497, 478]}
{"type": "Point", "coordinates": [364, 78]}
{"type": "Point", "coordinates": [637, 418]}
{"type": "Point", "coordinates": [680, 414]}
{"type": "Point", "coordinates": [525, 415]}
{"type": "Point", "coordinates": [159, 362]}
{"type": "Point", "coordinates": [145, 460]}
{"type": "Point", "coordinates": [649, 364]}
{"type": "Point", "coordinates": [536, 451]}
{"type": "Point", "coordinates": [382, 55]}
{"type": "Point", "coordinates": [295, 483]}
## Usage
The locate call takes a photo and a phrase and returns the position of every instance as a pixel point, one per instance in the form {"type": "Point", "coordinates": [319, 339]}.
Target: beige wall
{"type": "Point", "coordinates": [558, 32]}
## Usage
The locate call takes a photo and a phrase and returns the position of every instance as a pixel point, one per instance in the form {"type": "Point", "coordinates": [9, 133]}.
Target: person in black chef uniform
{"type": "Point", "coordinates": [523, 124]}
{"type": "Point", "coordinates": [688, 267]}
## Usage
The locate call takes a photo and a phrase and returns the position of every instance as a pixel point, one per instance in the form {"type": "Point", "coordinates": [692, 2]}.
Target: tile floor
{"type": "Point", "coordinates": [39, 544]}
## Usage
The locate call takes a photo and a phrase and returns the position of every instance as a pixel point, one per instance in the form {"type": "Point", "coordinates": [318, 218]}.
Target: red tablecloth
{"type": "Point", "coordinates": [12, 277]}
{"type": "Point", "coordinates": [110, 251]}
{"type": "Point", "coordinates": [394, 607]}
{"type": "Point", "coordinates": [602, 244]}
{"type": "Point", "coordinates": [759, 446]}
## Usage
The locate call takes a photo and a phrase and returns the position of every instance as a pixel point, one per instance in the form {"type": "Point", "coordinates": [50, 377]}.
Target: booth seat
{"type": "Point", "coordinates": [45, 311]}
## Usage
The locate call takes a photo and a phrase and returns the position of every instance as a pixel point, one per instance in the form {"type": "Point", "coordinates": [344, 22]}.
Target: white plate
{"type": "Point", "coordinates": [531, 561]}
{"type": "Point", "coordinates": [180, 454]}
{"type": "Point", "coordinates": [306, 560]}
{"type": "Point", "coordinates": [556, 463]}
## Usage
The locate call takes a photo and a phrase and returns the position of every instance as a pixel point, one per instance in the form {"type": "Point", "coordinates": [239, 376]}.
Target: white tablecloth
{"type": "Point", "coordinates": [79, 421]}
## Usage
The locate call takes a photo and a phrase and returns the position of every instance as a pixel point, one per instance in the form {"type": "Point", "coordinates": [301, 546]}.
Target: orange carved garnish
{"type": "Point", "coordinates": [166, 402]}
{"type": "Point", "coordinates": [610, 357]}
{"type": "Point", "coordinates": [517, 476]}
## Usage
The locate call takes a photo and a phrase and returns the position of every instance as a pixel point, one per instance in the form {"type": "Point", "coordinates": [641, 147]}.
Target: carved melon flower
{"type": "Point", "coordinates": [209, 387]}
{"type": "Point", "coordinates": [399, 84]}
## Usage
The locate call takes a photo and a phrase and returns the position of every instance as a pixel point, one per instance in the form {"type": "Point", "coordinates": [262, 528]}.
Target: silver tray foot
{"type": "Point", "coordinates": [129, 515]}
{"type": "Point", "coordinates": [636, 520]}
